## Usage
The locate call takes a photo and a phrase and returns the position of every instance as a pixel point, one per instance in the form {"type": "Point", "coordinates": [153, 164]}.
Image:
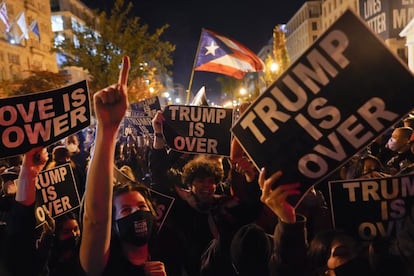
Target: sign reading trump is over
{"type": "Point", "coordinates": [345, 90]}
{"type": "Point", "coordinates": [198, 129]}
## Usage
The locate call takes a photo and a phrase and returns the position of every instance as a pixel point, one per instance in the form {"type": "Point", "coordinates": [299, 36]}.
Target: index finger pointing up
{"type": "Point", "coordinates": [123, 74]}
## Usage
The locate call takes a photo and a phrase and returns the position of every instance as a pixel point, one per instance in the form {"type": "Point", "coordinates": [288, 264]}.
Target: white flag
{"type": "Point", "coordinates": [21, 22]}
{"type": "Point", "coordinates": [200, 99]}
{"type": "Point", "coordinates": [3, 16]}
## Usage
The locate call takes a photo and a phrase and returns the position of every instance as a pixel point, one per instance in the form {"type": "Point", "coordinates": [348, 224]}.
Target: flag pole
{"type": "Point", "coordinates": [190, 83]}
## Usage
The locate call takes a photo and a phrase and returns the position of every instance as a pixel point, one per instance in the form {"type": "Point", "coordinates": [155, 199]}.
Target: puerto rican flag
{"type": "Point", "coordinates": [220, 54]}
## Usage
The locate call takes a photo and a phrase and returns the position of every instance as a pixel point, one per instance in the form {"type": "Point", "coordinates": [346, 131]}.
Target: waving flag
{"type": "Point", "coordinates": [21, 22]}
{"type": "Point", "coordinates": [200, 99]}
{"type": "Point", "coordinates": [34, 26]}
{"type": "Point", "coordinates": [223, 55]}
{"type": "Point", "coordinates": [3, 16]}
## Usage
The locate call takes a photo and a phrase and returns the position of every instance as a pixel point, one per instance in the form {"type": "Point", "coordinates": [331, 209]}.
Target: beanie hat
{"type": "Point", "coordinates": [251, 250]}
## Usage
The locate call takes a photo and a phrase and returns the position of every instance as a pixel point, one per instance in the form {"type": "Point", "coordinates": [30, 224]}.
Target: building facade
{"type": "Point", "coordinates": [386, 18]}
{"type": "Point", "coordinates": [303, 28]}
{"type": "Point", "coordinates": [66, 16]}
{"type": "Point", "coordinates": [26, 40]}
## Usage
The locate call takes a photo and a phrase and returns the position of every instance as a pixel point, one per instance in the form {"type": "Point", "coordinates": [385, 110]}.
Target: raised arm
{"type": "Point", "coordinates": [289, 238]}
{"type": "Point", "coordinates": [21, 254]}
{"type": "Point", "coordinates": [110, 106]}
{"type": "Point", "coordinates": [33, 163]}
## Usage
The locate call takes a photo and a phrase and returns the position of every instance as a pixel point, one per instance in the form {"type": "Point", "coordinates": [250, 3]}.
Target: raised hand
{"type": "Point", "coordinates": [275, 199]}
{"type": "Point", "coordinates": [111, 102]}
{"type": "Point", "coordinates": [157, 122]}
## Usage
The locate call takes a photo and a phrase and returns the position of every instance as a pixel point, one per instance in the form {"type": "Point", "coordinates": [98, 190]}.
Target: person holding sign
{"type": "Point", "coordinates": [126, 215]}
{"type": "Point", "coordinates": [291, 255]}
{"type": "Point", "coordinates": [22, 257]}
{"type": "Point", "coordinates": [203, 215]}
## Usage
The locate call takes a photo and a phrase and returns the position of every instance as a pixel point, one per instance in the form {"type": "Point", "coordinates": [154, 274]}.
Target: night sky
{"type": "Point", "coordinates": [250, 24]}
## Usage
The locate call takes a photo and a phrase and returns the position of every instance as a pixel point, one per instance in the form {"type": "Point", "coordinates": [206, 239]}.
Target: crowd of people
{"type": "Point", "coordinates": [227, 217]}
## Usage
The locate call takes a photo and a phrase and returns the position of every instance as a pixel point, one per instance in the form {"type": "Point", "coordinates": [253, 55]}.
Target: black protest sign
{"type": "Point", "coordinates": [198, 129]}
{"type": "Point", "coordinates": [162, 202]}
{"type": "Point", "coordinates": [371, 209]}
{"type": "Point", "coordinates": [138, 118]}
{"type": "Point", "coordinates": [147, 107]}
{"type": "Point", "coordinates": [347, 89]}
{"type": "Point", "coordinates": [40, 119]}
{"type": "Point", "coordinates": [138, 126]}
{"type": "Point", "coordinates": [56, 193]}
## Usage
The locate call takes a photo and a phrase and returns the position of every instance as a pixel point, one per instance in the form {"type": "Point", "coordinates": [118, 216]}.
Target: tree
{"type": "Point", "coordinates": [230, 86]}
{"type": "Point", "coordinates": [98, 46]}
{"type": "Point", "coordinates": [280, 52]}
{"type": "Point", "coordinates": [141, 88]}
{"type": "Point", "coordinates": [277, 62]}
{"type": "Point", "coordinates": [37, 81]}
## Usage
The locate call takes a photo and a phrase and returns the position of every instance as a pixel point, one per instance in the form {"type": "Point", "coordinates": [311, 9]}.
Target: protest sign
{"type": "Point", "coordinates": [40, 119]}
{"type": "Point", "coordinates": [147, 107]}
{"type": "Point", "coordinates": [56, 192]}
{"type": "Point", "coordinates": [138, 118]}
{"type": "Point", "coordinates": [345, 90]}
{"type": "Point", "coordinates": [162, 202]}
{"type": "Point", "coordinates": [371, 209]}
{"type": "Point", "coordinates": [198, 129]}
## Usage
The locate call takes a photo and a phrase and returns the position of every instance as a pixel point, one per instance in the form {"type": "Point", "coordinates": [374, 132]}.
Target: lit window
{"type": "Point", "coordinates": [57, 23]}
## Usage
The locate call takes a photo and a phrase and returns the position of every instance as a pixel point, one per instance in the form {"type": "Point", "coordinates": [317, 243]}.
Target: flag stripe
{"type": "Point", "coordinates": [219, 67]}
{"type": "Point", "coordinates": [249, 55]}
{"type": "Point", "coordinates": [4, 17]}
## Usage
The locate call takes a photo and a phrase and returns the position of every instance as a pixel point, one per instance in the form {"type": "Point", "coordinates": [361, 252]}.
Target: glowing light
{"type": "Point", "coordinates": [274, 67]}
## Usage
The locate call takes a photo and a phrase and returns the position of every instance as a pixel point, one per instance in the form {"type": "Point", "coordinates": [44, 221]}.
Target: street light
{"type": "Point", "coordinates": [243, 91]}
{"type": "Point", "coordinates": [274, 67]}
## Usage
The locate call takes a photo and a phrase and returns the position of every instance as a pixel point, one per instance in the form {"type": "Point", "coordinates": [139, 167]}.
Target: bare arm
{"type": "Point", "coordinates": [33, 163]}
{"type": "Point", "coordinates": [110, 106]}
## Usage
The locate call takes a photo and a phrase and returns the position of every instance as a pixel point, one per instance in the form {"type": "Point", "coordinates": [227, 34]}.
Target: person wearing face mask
{"type": "Point", "coordinates": [399, 143]}
{"type": "Point", "coordinates": [78, 157]}
{"type": "Point", "coordinates": [117, 221]}
{"type": "Point", "coordinates": [59, 244]}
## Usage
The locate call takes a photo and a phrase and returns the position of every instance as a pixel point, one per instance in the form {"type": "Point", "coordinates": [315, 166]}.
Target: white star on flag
{"type": "Point", "coordinates": [212, 48]}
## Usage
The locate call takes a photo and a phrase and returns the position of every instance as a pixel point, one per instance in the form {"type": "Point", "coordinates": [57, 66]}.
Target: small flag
{"type": "Point", "coordinates": [3, 16]}
{"type": "Point", "coordinates": [34, 27]}
{"type": "Point", "coordinates": [223, 55]}
{"type": "Point", "coordinates": [200, 99]}
{"type": "Point", "coordinates": [21, 22]}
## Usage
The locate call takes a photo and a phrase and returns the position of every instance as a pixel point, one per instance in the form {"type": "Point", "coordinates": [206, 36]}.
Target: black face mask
{"type": "Point", "coordinates": [136, 228]}
{"type": "Point", "coordinates": [68, 244]}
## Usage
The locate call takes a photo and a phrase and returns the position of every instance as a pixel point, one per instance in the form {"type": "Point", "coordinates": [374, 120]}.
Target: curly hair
{"type": "Point", "coordinates": [201, 168]}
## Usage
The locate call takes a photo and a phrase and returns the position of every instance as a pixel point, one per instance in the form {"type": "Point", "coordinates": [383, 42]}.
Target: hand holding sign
{"type": "Point", "coordinates": [33, 162]}
{"type": "Point", "coordinates": [276, 199]}
{"type": "Point", "coordinates": [111, 102]}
